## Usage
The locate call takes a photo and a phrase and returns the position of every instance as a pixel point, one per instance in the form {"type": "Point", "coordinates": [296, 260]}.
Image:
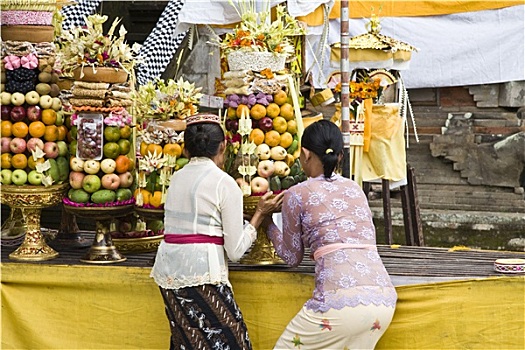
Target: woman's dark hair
{"type": "Point", "coordinates": [325, 140]}
{"type": "Point", "coordinates": [203, 140]}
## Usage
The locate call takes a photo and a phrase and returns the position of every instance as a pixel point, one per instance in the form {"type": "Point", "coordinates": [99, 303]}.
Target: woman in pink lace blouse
{"type": "Point", "coordinates": [354, 300]}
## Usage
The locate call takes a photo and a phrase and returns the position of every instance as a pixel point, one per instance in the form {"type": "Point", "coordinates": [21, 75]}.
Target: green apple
{"type": "Point", "coordinates": [125, 132]}
{"type": "Point", "coordinates": [35, 178]}
{"type": "Point", "coordinates": [91, 183]}
{"type": "Point", "coordinates": [6, 176]}
{"type": "Point", "coordinates": [73, 147]}
{"type": "Point", "coordinates": [63, 149]}
{"type": "Point", "coordinates": [125, 146]}
{"type": "Point", "coordinates": [111, 133]}
{"type": "Point", "coordinates": [111, 150]}
{"type": "Point", "coordinates": [19, 177]}
{"type": "Point", "coordinates": [60, 118]}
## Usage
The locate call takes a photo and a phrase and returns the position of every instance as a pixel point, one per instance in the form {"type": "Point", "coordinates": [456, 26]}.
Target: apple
{"type": "Point", "coordinates": [266, 124]}
{"type": "Point", "coordinates": [232, 124]}
{"type": "Point", "coordinates": [108, 165]}
{"type": "Point", "coordinates": [56, 104]}
{"type": "Point", "coordinates": [32, 98]}
{"type": "Point", "coordinates": [76, 164]}
{"type": "Point", "coordinates": [60, 118]}
{"type": "Point", "coordinates": [75, 179]}
{"type": "Point", "coordinates": [6, 177]}
{"type": "Point", "coordinates": [18, 99]}
{"type": "Point", "coordinates": [259, 185]}
{"type": "Point", "coordinates": [63, 148]}
{"type": "Point", "coordinates": [18, 145]}
{"type": "Point", "coordinates": [241, 182]}
{"type": "Point", "coordinates": [18, 113]}
{"type": "Point", "coordinates": [110, 181]}
{"type": "Point", "coordinates": [265, 168]}
{"type": "Point", "coordinates": [126, 179]}
{"type": "Point", "coordinates": [19, 177]}
{"type": "Point", "coordinates": [6, 141]}
{"type": "Point", "coordinates": [51, 149]}
{"type": "Point", "coordinates": [35, 178]}
{"type": "Point", "coordinates": [263, 151]}
{"type": "Point", "coordinates": [278, 153]}
{"type": "Point", "coordinates": [91, 183]}
{"type": "Point", "coordinates": [46, 101]}
{"type": "Point", "coordinates": [35, 142]}
{"type": "Point", "coordinates": [5, 98]}
{"type": "Point", "coordinates": [281, 168]}
{"type": "Point", "coordinates": [34, 113]}
{"type": "Point", "coordinates": [5, 111]}
{"type": "Point", "coordinates": [91, 166]}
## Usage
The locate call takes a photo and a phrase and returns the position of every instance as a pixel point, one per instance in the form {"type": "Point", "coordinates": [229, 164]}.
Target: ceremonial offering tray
{"type": "Point", "coordinates": [100, 75]}
{"type": "Point", "coordinates": [255, 61]}
{"type": "Point", "coordinates": [510, 265]}
{"type": "Point", "coordinates": [262, 252]}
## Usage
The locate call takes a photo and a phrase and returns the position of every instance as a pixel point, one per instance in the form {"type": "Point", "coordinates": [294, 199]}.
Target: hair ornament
{"type": "Point", "coordinates": [328, 151]}
{"type": "Point", "coordinates": [203, 118]}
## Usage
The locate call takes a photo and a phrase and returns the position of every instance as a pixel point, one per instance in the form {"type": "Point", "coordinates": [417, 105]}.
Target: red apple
{"type": "Point", "coordinates": [34, 113]}
{"type": "Point", "coordinates": [51, 149]}
{"type": "Point", "coordinates": [259, 185]}
{"type": "Point", "coordinates": [6, 141]}
{"type": "Point", "coordinates": [126, 179]}
{"type": "Point", "coordinates": [265, 168]}
{"type": "Point", "coordinates": [110, 181]}
{"type": "Point", "coordinates": [266, 124]}
{"type": "Point", "coordinates": [5, 111]}
{"type": "Point", "coordinates": [17, 145]}
{"type": "Point", "coordinates": [75, 179]}
{"type": "Point", "coordinates": [34, 142]}
{"type": "Point", "coordinates": [232, 125]}
{"type": "Point", "coordinates": [18, 113]}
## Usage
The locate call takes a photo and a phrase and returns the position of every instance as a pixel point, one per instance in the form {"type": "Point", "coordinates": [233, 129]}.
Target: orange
{"type": "Point", "coordinates": [7, 128]}
{"type": "Point", "coordinates": [242, 110]}
{"type": "Point", "coordinates": [280, 98]}
{"type": "Point", "coordinates": [49, 116]}
{"type": "Point", "coordinates": [287, 111]}
{"type": "Point", "coordinates": [37, 129]}
{"type": "Point", "coordinates": [146, 195]}
{"type": "Point", "coordinates": [152, 148]}
{"type": "Point", "coordinates": [272, 138]}
{"type": "Point", "coordinates": [172, 149]}
{"type": "Point", "coordinates": [156, 199]}
{"type": "Point", "coordinates": [257, 136]}
{"type": "Point", "coordinates": [20, 129]}
{"type": "Point", "coordinates": [31, 162]}
{"type": "Point", "coordinates": [280, 125]}
{"type": "Point", "coordinates": [286, 139]}
{"type": "Point", "coordinates": [232, 113]}
{"type": "Point", "coordinates": [123, 164]}
{"type": "Point", "coordinates": [62, 132]}
{"type": "Point", "coordinates": [51, 133]}
{"type": "Point", "coordinates": [19, 161]}
{"type": "Point", "coordinates": [143, 148]}
{"type": "Point", "coordinates": [273, 110]}
{"type": "Point", "coordinates": [292, 127]}
{"type": "Point", "coordinates": [258, 111]}
{"type": "Point", "coordinates": [5, 160]}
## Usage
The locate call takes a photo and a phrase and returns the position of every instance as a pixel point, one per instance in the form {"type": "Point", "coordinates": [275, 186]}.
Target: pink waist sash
{"type": "Point", "coordinates": [329, 248]}
{"type": "Point", "coordinates": [192, 238]}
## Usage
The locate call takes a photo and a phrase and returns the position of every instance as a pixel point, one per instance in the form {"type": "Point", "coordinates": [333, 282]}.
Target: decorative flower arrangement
{"type": "Point", "coordinates": [166, 99]}
{"type": "Point", "coordinates": [256, 31]}
{"type": "Point", "coordinates": [89, 46]}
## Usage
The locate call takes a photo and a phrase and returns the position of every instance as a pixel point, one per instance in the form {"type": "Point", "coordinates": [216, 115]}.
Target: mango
{"type": "Point", "coordinates": [78, 196]}
{"type": "Point", "coordinates": [123, 194]}
{"type": "Point", "coordinates": [103, 196]}
{"type": "Point", "coordinates": [53, 171]}
{"type": "Point", "coordinates": [63, 169]}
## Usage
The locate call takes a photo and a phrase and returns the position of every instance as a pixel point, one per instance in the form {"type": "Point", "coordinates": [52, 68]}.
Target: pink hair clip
{"type": "Point", "coordinates": [12, 62]}
{"type": "Point", "coordinates": [30, 61]}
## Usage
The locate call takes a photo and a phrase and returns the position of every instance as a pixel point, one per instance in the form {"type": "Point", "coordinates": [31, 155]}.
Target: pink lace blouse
{"type": "Point", "coordinates": [317, 213]}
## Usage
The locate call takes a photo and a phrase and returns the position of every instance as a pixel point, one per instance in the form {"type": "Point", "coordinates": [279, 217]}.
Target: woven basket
{"type": "Point", "coordinates": [256, 61]}
{"type": "Point", "coordinates": [102, 75]}
{"type": "Point", "coordinates": [33, 34]}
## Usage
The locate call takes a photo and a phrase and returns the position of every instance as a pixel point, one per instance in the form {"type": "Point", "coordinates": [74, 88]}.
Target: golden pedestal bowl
{"type": "Point", "coordinates": [262, 252]}
{"type": "Point", "coordinates": [103, 250]}
{"type": "Point", "coordinates": [139, 244]}
{"type": "Point", "coordinates": [31, 200]}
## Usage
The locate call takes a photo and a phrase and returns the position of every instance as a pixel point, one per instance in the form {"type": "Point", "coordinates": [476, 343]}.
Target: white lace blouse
{"type": "Point", "coordinates": [201, 199]}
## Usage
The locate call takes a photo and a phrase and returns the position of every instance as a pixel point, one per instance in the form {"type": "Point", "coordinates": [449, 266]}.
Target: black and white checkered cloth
{"type": "Point", "coordinates": [160, 46]}
{"type": "Point", "coordinates": [74, 15]}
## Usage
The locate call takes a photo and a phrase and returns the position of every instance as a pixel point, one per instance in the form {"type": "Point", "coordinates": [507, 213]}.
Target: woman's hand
{"type": "Point", "coordinates": [268, 205]}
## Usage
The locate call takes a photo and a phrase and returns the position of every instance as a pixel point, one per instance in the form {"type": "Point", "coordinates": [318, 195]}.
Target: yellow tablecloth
{"type": "Point", "coordinates": [113, 307]}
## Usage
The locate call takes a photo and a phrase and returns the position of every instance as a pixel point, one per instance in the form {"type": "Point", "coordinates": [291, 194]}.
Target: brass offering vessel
{"type": "Point", "coordinates": [142, 244]}
{"type": "Point", "coordinates": [262, 252]}
{"type": "Point", "coordinates": [31, 200]}
{"type": "Point", "coordinates": [103, 250]}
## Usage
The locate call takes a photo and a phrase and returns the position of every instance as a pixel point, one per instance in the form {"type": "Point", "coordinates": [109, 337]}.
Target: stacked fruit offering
{"type": "Point", "coordinates": [34, 145]}
{"type": "Point", "coordinates": [274, 134]}
{"type": "Point", "coordinates": [102, 138]}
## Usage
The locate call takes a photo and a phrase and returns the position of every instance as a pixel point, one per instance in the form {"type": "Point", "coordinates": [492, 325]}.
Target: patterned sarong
{"type": "Point", "coordinates": [205, 317]}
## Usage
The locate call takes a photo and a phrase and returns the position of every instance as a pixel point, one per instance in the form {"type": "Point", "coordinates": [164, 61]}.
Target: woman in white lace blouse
{"type": "Point", "coordinates": [354, 300]}
{"type": "Point", "coordinates": [203, 226]}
